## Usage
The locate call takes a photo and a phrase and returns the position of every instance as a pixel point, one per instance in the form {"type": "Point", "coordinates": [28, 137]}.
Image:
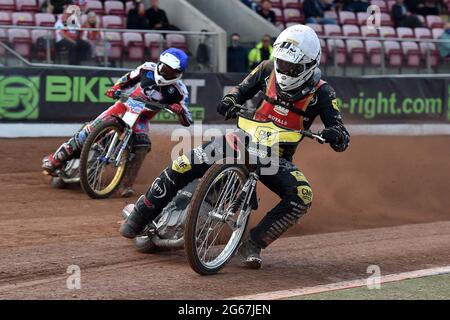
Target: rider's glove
{"type": "Point", "coordinates": [337, 137]}
{"type": "Point", "coordinates": [113, 92]}
{"type": "Point", "coordinates": [227, 107]}
{"type": "Point", "coordinates": [176, 108]}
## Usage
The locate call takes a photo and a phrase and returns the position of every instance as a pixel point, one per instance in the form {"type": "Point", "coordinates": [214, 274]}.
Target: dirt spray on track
{"type": "Point", "coordinates": [378, 182]}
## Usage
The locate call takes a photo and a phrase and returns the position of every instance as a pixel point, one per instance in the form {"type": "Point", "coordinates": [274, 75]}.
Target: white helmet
{"type": "Point", "coordinates": [297, 54]}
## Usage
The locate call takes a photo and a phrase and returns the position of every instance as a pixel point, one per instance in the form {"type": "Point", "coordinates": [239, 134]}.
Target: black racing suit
{"type": "Point", "coordinates": [288, 183]}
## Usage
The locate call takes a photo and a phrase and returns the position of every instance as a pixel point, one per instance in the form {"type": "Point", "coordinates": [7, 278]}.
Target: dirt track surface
{"type": "Point", "coordinates": [383, 202]}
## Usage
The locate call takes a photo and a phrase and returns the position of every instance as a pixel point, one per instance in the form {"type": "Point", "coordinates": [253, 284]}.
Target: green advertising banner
{"type": "Point", "coordinates": [77, 95]}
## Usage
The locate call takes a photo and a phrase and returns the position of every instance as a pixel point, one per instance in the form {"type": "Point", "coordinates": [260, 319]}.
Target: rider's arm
{"type": "Point", "coordinates": [130, 79]}
{"type": "Point", "coordinates": [179, 101]}
{"type": "Point", "coordinates": [331, 117]}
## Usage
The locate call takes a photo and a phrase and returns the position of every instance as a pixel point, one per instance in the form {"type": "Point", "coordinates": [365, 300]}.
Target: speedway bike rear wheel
{"type": "Point", "coordinates": [100, 172]}
{"type": "Point", "coordinates": [214, 225]}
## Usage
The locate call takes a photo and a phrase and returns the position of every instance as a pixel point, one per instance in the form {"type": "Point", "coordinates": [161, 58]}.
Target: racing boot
{"type": "Point", "coordinates": [131, 172]}
{"type": "Point", "coordinates": [50, 165]}
{"type": "Point", "coordinates": [250, 254]}
{"type": "Point", "coordinates": [138, 219]}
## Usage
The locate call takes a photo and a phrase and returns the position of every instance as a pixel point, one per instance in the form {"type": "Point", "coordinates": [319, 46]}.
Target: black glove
{"type": "Point", "coordinates": [227, 107]}
{"type": "Point", "coordinates": [332, 135]}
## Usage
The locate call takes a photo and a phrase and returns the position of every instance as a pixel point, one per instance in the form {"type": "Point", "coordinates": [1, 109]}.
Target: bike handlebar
{"type": "Point", "coordinates": [307, 133]}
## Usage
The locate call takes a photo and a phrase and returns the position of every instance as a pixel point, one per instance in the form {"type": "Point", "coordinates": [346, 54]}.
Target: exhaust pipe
{"type": "Point", "coordinates": [168, 243]}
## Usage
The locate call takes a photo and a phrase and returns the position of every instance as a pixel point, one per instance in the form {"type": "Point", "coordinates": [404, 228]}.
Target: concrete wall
{"type": "Point", "coordinates": [234, 16]}
{"type": "Point", "coordinates": [188, 18]}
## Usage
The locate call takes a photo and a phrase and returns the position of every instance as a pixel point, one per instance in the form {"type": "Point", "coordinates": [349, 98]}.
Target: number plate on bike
{"type": "Point", "coordinates": [135, 106]}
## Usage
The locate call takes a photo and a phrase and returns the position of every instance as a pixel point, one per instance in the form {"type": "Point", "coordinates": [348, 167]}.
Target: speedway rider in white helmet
{"type": "Point", "coordinates": [294, 95]}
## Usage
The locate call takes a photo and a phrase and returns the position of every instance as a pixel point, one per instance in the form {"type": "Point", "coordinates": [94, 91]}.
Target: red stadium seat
{"type": "Point", "coordinates": [373, 51]}
{"type": "Point", "coordinates": [21, 41]}
{"type": "Point", "coordinates": [381, 4]}
{"type": "Point", "coordinates": [176, 41]}
{"type": "Point", "coordinates": [112, 22]}
{"type": "Point", "coordinates": [386, 20]}
{"type": "Point", "coordinates": [22, 18]}
{"type": "Point", "coordinates": [412, 53]}
{"type": "Point", "coordinates": [94, 5]}
{"type": "Point", "coordinates": [128, 6]}
{"type": "Point", "coordinates": [292, 15]}
{"type": "Point", "coordinates": [347, 17]}
{"type": "Point", "coordinates": [35, 35]}
{"type": "Point", "coordinates": [434, 22]}
{"type": "Point", "coordinates": [369, 32]}
{"type": "Point", "coordinates": [393, 53]}
{"type": "Point", "coordinates": [337, 50]}
{"type": "Point", "coordinates": [350, 30]}
{"type": "Point", "coordinates": [429, 53]}
{"type": "Point", "coordinates": [387, 32]}
{"type": "Point", "coordinates": [332, 30]}
{"type": "Point", "coordinates": [295, 4]}
{"type": "Point", "coordinates": [27, 5]}
{"type": "Point", "coordinates": [390, 4]}
{"type": "Point", "coordinates": [356, 51]}
{"type": "Point", "coordinates": [437, 32]}
{"type": "Point", "coordinates": [155, 44]}
{"type": "Point", "coordinates": [7, 5]}
{"type": "Point", "coordinates": [135, 44]}
{"type": "Point", "coordinates": [362, 18]}
{"type": "Point", "coordinates": [278, 14]}
{"type": "Point", "coordinates": [423, 33]}
{"type": "Point", "coordinates": [403, 32]}
{"type": "Point", "coordinates": [276, 4]}
{"type": "Point", "coordinates": [114, 8]}
{"type": "Point", "coordinates": [316, 27]}
{"type": "Point", "coordinates": [330, 15]}
{"type": "Point", "coordinates": [422, 19]}
{"type": "Point", "coordinates": [5, 18]}
{"type": "Point", "coordinates": [44, 19]}
{"type": "Point", "coordinates": [115, 39]}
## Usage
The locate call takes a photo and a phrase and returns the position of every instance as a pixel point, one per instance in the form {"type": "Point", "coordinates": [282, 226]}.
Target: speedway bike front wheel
{"type": "Point", "coordinates": [101, 170]}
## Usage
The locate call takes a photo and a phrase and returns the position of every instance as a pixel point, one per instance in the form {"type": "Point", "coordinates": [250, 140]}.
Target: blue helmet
{"type": "Point", "coordinates": [172, 63]}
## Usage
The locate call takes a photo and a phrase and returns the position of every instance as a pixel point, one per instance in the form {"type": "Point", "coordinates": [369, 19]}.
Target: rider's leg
{"type": "Point", "coordinates": [183, 170]}
{"type": "Point", "coordinates": [293, 188]}
{"type": "Point", "coordinates": [72, 147]}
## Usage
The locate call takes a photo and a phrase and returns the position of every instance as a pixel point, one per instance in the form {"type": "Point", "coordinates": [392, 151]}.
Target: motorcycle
{"type": "Point", "coordinates": [106, 152]}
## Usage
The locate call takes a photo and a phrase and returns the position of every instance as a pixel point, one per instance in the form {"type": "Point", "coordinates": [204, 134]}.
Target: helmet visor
{"type": "Point", "coordinates": [292, 69]}
{"type": "Point", "coordinates": [167, 72]}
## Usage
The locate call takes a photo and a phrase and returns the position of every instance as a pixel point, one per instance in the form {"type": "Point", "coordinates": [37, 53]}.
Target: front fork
{"type": "Point", "coordinates": [123, 144]}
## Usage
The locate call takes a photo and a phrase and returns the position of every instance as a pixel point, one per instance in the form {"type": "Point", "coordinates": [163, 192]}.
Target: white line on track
{"type": "Point", "coordinates": [283, 294]}
{"type": "Point", "coordinates": [25, 130]}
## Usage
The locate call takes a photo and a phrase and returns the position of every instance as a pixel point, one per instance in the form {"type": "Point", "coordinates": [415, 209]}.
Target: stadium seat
{"type": "Point", "coordinates": [330, 15]}
{"type": "Point", "coordinates": [114, 8]}
{"type": "Point", "coordinates": [94, 5]}
{"type": "Point", "coordinates": [393, 53]}
{"type": "Point", "coordinates": [5, 18]}
{"type": "Point", "coordinates": [369, 32]}
{"type": "Point", "coordinates": [412, 53]}
{"type": "Point", "coordinates": [128, 6]}
{"type": "Point", "coordinates": [21, 41]}
{"type": "Point", "coordinates": [386, 20]}
{"type": "Point", "coordinates": [276, 4]}
{"type": "Point", "coordinates": [176, 41]}
{"type": "Point", "coordinates": [7, 5]}
{"type": "Point", "coordinates": [22, 19]}
{"type": "Point", "coordinates": [324, 55]}
{"type": "Point", "coordinates": [403, 32]}
{"type": "Point", "coordinates": [332, 30]}
{"type": "Point", "coordinates": [135, 44]}
{"type": "Point", "coordinates": [381, 4]}
{"type": "Point", "coordinates": [356, 52]}
{"type": "Point", "coordinates": [292, 15]}
{"type": "Point", "coordinates": [115, 39]}
{"type": "Point", "coordinates": [434, 22]}
{"type": "Point", "coordinates": [112, 22]}
{"type": "Point", "coordinates": [429, 52]}
{"type": "Point", "coordinates": [317, 28]}
{"type": "Point", "coordinates": [347, 17]}
{"type": "Point", "coordinates": [350, 30]}
{"type": "Point", "coordinates": [27, 5]}
{"type": "Point", "coordinates": [422, 19]}
{"type": "Point", "coordinates": [44, 19]}
{"type": "Point", "coordinates": [437, 32]}
{"type": "Point", "coordinates": [278, 14]}
{"type": "Point", "coordinates": [373, 51]}
{"type": "Point", "coordinates": [295, 4]}
{"type": "Point", "coordinates": [35, 35]}
{"type": "Point", "coordinates": [390, 4]}
{"type": "Point", "coordinates": [154, 42]}
{"type": "Point", "coordinates": [387, 32]}
{"type": "Point", "coordinates": [362, 18]}
{"type": "Point", "coordinates": [423, 33]}
{"type": "Point", "coordinates": [337, 50]}
{"type": "Point", "coordinates": [289, 24]}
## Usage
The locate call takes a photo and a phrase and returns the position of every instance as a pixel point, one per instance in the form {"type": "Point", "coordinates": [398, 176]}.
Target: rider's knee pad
{"type": "Point", "coordinates": [298, 200]}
